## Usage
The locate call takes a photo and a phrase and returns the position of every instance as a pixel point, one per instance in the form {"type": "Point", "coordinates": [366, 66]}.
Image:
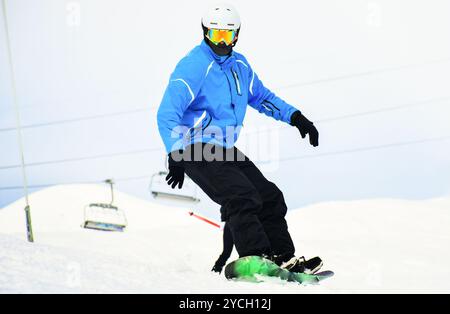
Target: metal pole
{"type": "Point", "coordinates": [204, 219]}
{"type": "Point", "coordinates": [111, 182]}
{"type": "Point", "coordinates": [30, 236]}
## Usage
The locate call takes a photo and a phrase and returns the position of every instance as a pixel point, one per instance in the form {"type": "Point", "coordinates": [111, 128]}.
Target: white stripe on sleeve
{"type": "Point", "coordinates": [189, 88]}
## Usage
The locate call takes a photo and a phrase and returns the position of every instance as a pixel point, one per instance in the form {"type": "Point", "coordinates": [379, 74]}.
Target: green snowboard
{"type": "Point", "coordinates": [253, 268]}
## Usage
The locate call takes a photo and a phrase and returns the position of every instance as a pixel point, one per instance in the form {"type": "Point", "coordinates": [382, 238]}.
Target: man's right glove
{"type": "Point", "coordinates": [176, 169]}
{"type": "Point", "coordinates": [305, 127]}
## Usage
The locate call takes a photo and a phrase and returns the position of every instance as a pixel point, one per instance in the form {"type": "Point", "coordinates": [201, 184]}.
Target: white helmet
{"type": "Point", "coordinates": [222, 16]}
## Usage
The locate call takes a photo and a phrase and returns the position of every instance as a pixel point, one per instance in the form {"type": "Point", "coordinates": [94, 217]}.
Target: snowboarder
{"type": "Point", "coordinates": [199, 120]}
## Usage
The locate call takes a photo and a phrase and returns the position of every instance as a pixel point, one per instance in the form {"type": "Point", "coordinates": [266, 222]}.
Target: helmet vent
{"type": "Point", "coordinates": [221, 16]}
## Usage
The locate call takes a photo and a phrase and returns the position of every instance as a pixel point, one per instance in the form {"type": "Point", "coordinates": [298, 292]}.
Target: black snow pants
{"type": "Point", "coordinates": [252, 206]}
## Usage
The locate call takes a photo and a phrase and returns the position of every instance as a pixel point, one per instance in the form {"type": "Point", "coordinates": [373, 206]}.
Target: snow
{"type": "Point", "coordinates": [383, 245]}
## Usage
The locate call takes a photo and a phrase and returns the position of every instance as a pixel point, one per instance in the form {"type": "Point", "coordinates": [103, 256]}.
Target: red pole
{"type": "Point", "coordinates": [204, 219]}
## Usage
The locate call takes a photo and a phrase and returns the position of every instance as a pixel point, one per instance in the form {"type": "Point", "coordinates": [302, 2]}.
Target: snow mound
{"type": "Point", "coordinates": [379, 245]}
{"type": "Point", "coordinates": [61, 208]}
{"type": "Point", "coordinates": [372, 245]}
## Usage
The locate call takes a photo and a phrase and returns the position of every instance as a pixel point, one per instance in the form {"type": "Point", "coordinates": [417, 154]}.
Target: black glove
{"type": "Point", "coordinates": [217, 268]}
{"type": "Point", "coordinates": [176, 169]}
{"type": "Point", "coordinates": [305, 127]}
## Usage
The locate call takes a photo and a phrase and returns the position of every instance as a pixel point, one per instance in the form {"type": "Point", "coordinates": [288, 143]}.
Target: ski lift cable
{"type": "Point", "coordinates": [100, 156]}
{"type": "Point", "coordinates": [86, 118]}
{"type": "Point", "coordinates": [30, 236]}
{"type": "Point", "coordinates": [311, 156]}
{"type": "Point", "coordinates": [360, 149]}
{"type": "Point", "coordinates": [47, 185]}
{"type": "Point", "coordinates": [362, 113]}
{"type": "Point", "coordinates": [387, 109]}
{"type": "Point", "coordinates": [313, 82]}
{"type": "Point", "coordinates": [360, 74]}
{"type": "Point", "coordinates": [134, 178]}
{"type": "Point", "coordinates": [347, 116]}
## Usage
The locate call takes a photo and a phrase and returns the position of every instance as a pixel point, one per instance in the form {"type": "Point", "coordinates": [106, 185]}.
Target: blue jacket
{"type": "Point", "coordinates": [207, 97]}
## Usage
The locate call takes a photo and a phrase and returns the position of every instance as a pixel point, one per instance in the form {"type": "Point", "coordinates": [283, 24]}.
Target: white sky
{"type": "Point", "coordinates": [82, 58]}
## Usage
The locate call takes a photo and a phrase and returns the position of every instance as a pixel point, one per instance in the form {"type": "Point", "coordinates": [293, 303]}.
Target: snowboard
{"type": "Point", "coordinates": [256, 268]}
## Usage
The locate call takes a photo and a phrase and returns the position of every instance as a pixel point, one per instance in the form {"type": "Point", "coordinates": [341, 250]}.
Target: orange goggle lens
{"type": "Point", "coordinates": [216, 36]}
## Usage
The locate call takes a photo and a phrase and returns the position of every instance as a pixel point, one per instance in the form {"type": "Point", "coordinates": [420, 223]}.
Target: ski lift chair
{"type": "Point", "coordinates": [160, 190]}
{"type": "Point", "coordinates": [105, 217]}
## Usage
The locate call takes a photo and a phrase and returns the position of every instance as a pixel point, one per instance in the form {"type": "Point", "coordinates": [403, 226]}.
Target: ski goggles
{"type": "Point", "coordinates": [216, 36]}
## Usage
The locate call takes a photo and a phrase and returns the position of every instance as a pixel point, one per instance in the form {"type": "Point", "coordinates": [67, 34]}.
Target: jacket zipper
{"type": "Point", "coordinates": [231, 96]}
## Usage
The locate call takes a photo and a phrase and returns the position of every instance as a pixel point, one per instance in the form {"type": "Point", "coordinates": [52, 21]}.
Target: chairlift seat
{"type": "Point", "coordinates": [106, 217]}
{"type": "Point", "coordinates": [160, 189]}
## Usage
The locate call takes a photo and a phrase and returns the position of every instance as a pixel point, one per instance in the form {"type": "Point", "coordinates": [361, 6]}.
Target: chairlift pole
{"type": "Point", "coordinates": [111, 182]}
{"type": "Point", "coordinates": [30, 236]}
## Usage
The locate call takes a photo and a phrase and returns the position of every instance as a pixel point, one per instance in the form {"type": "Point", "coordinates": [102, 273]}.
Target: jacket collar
{"type": "Point", "coordinates": [225, 62]}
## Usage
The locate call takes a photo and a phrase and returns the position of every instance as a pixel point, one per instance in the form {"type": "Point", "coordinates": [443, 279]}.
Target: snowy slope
{"type": "Point", "coordinates": [373, 245]}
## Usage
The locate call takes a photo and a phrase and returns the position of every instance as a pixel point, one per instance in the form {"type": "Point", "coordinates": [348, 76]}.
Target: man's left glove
{"type": "Point", "coordinates": [305, 127]}
{"type": "Point", "coordinates": [176, 169]}
{"type": "Point", "coordinates": [217, 268]}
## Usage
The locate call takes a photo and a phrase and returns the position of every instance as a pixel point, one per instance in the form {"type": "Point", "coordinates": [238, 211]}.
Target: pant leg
{"type": "Point", "coordinates": [273, 212]}
{"type": "Point", "coordinates": [240, 202]}
{"type": "Point", "coordinates": [227, 248]}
